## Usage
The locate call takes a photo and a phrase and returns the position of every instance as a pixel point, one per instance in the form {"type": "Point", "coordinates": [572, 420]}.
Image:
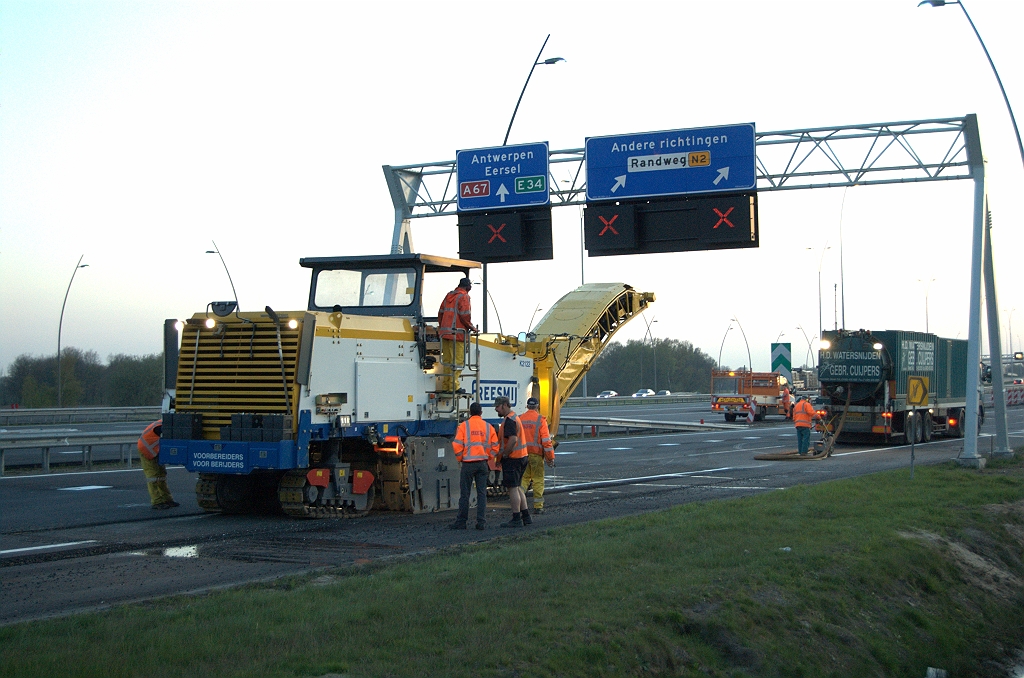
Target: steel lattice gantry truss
{"type": "Point", "coordinates": [845, 155]}
{"type": "Point", "coordinates": [823, 157]}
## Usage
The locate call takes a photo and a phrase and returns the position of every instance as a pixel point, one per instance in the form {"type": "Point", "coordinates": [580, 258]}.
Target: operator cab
{"type": "Point", "coordinates": [400, 285]}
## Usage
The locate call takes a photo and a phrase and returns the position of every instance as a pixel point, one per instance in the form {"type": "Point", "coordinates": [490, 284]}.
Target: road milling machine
{"type": "Point", "coordinates": [349, 405]}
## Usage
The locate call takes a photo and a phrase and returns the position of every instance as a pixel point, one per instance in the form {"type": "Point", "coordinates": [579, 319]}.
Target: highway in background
{"type": "Point", "coordinates": [85, 541]}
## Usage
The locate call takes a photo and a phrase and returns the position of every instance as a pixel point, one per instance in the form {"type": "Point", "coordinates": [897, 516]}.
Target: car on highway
{"type": "Point", "coordinates": [663, 393]}
{"type": "Point", "coordinates": [643, 393]}
{"type": "Point", "coordinates": [607, 394]}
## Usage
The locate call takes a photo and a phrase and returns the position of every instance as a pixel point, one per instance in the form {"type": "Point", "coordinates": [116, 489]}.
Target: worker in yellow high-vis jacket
{"type": "Point", "coordinates": [540, 449]}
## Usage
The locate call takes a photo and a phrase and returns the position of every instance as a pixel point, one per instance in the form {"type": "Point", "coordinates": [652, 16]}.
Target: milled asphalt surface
{"type": "Point", "coordinates": [85, 541]}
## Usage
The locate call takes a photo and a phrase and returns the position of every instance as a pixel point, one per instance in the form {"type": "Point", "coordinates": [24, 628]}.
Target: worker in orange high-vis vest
{"type": "Point", "coordinates": [475, 445]}
{"type": "Point", "coordinates": [513, 456]}
{"type": "Point", "coordinates": [803, 415]}
{"type": "Point", "coordinates": [539, 450]}
{"type": "Point", "coordinates": [454, 323]}
{"type": "Point", "coordinates": [156, 474]}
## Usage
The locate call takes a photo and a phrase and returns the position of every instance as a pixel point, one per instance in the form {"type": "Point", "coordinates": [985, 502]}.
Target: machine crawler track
{"type": "Point", "coordinates": [299, 499]}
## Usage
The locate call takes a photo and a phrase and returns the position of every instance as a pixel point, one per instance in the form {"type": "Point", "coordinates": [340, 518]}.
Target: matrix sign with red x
{"type": "Point", "coordinates": [671, 225]}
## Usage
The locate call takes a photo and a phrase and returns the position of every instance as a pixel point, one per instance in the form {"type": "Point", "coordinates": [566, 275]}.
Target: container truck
{"type": "Point", "coordinates": [873, 378]}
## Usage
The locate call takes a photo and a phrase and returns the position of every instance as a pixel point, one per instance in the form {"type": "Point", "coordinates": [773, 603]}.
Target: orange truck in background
{"type": "Point", "coordinates": [735, 392]}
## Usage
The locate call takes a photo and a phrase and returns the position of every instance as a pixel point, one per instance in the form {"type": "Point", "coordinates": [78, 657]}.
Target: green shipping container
{"type": "Point", "coordinates": [942, 361]}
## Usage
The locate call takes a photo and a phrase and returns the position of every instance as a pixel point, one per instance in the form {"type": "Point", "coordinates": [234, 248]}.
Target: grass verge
{"type": "Point", "coordinates": [877, 575]}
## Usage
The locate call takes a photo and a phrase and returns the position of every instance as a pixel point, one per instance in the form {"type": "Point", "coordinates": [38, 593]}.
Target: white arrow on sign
{"type": "Point", "coordinates": [619, 181]}
{"type": "Point", "coordinates": [502, 192]}
{"type": "Point", "coordinates": [722, 174]}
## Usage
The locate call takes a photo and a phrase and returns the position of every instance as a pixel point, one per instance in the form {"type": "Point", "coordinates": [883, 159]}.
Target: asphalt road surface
{"type": "Point", "coordinates": [85, 541]}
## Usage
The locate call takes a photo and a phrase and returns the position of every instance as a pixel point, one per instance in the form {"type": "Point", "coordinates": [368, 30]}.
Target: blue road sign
{"type": "Point", "coordinates": [503, 177]}
{"type": "Point", "coordinates": [674, 162]}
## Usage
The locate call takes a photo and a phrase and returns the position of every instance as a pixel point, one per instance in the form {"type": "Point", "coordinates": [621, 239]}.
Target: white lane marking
{"type": "Point", "coordinates": [715, 477]}
{"type": "Point", "coordinates": [620, 448]}
{"type": "Point", "coordinates": [48, 546]}
{"type": "Point", "coordinates": [787, 435]}
{"type": "Point", "coordinates": [704, 454]}
{"type": "Point", "coordinates": [751, 437]}
{"type": "Point", "coordinates": [714, 441]}
{"type": "Point", "coordinates": [741, 487]}
{"type": "Point", "coordinates": [84, 473]}
{"type": "Point", "coordinates": [87, 487]}
{"type": "Point", "coordinates": [890, 448]}
{"type": "Point", "coordinates": [669, 444]}
{"type": "Point", "coordinates": [70, 451]}
{"type": "Point", "coordinates": [564, 453]}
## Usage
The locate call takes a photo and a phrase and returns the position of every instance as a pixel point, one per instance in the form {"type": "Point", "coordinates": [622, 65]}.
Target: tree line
{"type": "Point", "coordinates": [665, 364]}
{"type": "Point", "coordinates": [126, 380]}
{"type": "Point", "coordinates": [85, 381]}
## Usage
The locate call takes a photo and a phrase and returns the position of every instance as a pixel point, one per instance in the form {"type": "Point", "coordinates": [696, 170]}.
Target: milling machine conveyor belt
{"type": "Point", "coordinates": [588, 316]}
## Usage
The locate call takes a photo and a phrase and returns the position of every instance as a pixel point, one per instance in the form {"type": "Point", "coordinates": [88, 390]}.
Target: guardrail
{"type": "Point", "coordinates": [77, 415]}
{"type": "Point", "coordinates": [45, 442]}
{"type": "Point", "coordinates": [595, 424]}
{"type": "Point", "coordinates": [629, 400]}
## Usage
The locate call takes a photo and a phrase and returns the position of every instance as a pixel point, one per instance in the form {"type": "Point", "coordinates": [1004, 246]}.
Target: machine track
{"type": "Point", "coordinates": [299, 499]}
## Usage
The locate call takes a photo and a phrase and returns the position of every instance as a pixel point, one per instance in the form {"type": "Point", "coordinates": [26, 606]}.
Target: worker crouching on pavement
{"type": "Point", "coordinates": [513, 456]}
{"type": "Point", "coordinates": [475, 445]}
{"type": "Point", "coordinates": [539, 451]}
{"type": "Point", "coordinates": [156, 474]}
{"type": "Point", "coordinates": [803, 415]}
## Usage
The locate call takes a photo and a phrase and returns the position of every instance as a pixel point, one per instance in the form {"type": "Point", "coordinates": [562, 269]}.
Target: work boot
{"type": "Point", "coordinates": [539, 510]}
{"type": "Point", "coordinates": [457, 525]}
{"type": "Point", "coordinates": [481, 525]}
{"type": "Point", "coordinates": [173, 504]}
{"type": "Point", "coordinates": [162, 505]}
{"type": "Point", "coordinates": [527, 520]}
{"type": "Point", "coordinates": [517, 521]}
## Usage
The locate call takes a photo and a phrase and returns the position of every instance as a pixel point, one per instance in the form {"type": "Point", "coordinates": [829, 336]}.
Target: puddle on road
{"type": "Point", "coordinates": [278, 550]}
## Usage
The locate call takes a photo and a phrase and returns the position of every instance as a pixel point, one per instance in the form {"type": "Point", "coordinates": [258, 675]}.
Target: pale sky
{"type": "Point", "coordinates": [135, 133]}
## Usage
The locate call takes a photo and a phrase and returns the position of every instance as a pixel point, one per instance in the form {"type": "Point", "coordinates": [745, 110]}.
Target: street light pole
{"type": "Point", "coordinates": [750, 363]}
{"type": "Point", "coordinates": [927, 287]}
{"type": "Point", "coordinates": [723, 345]}
{"type": "Point", "coordinates": [60, 326]}
{"type": "Point", "coordinates": [536, 62]}
{"type": "Point", "coordinates": [654, 349]}
{"type": "Point", "coordinates": [1006, 100]}
{"type": "Point", "coordinates": [821, 260]}
{"type": "Point", "coordinates": [216, 251]}
{"type": "Point", "coordinates": [800, 327]}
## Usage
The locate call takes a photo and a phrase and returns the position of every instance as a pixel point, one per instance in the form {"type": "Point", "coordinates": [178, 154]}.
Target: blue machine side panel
{"type": "Point", "coordinates": [216, 456]}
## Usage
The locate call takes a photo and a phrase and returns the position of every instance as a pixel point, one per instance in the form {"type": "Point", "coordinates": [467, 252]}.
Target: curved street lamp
{"type": "Point", "coordinates": [536, 62]}
{"type": "Point", "coordinates": [654, 349]}
{"type": "Point", "coordinates": [727, 329]}
{"type": "Point", "coordinates": [216, 251]}
{"type": "Point", "coordinates": [800, 327]}
{"type": "Point", "coordinates": [60, 325]}
{"type": "Point", "coordinates": [750, 363]}
{"type": "Point", "coordinates": [941, 3]}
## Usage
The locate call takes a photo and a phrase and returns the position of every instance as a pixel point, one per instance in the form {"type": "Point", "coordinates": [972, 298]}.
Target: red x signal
{"type": "Point", "coordinates": [722, 217]}
{"type": "Point", "coordinates": [608, 225]}
{"type": "Point", "coordinates": [496, 233]}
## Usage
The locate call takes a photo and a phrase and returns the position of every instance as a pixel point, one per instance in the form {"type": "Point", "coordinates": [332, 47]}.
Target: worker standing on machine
{"type": "Point", "coordinates": [454, 323]}
{"type": "Point", "coordinates": [803, 415]}
{"type": "Point", "coordinates": [156, 475]}
{"type": "Point", "coordinates": [475, 444]}
{"type": "Point", "coordinates": [539, 451]}
{"type": "Point", "coordinates": [513, 456]}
